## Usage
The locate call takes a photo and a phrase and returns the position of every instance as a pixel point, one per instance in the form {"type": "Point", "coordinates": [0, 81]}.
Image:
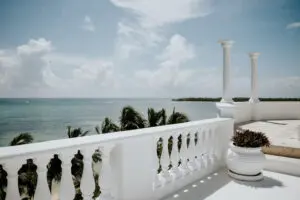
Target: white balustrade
{"type": "Point", "coordinates": [165, 159]}
{"type": "Point", "coordinates": [184, 154]}
{"type": "Point", "coordinates": [158, 174]}
{"type": "Point", "coordinates": [106, 173]}
{"type": "Point", "coordinates": [12, 166]}
{"type": "Point", "coordinates": [192, 152]}
{"type": "Point", "coordinates": [42, 190]}
{"type": "Point", "coordinates": [129, 161]}
{"type": "Point", "coordinates": [175, 173]}
{"type": "Point", "coordinates": [67, 190]}
{"type": "Point", "coordinates": [87, 180]}
{"type": "Point", "coordinates": [199, 150]}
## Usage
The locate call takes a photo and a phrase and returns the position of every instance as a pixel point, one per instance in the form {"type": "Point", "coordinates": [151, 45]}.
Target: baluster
{"type": "Point", "coordinates": [11, 167]}
{"type": "Point", "coordinates": [204, 148]}
{"type": "Point", "coordinates": [157, 181]}
{"type": "Point", "coordinates": [106, 174]}
{"type": "Point", "coordinates": [192, 152]}
{"type": "Point", "coordinates": [218, 144]}
{"type": "Point", "coordinates": [165, 160]}
{"type": "Point", "coordinates": [214, 145]}
{"type": "Point", "coordinates": [87, 180]}
{"type": "Point", "coordinates": [196, 150]}
{"type": "Point", "coordinates": [67, 190]}
{"type": "Point", "coordinates": [210, 148]}
{"type": "Point", "coordinates": [42, 189]}
{"type": "Point", "coordinates": [199, 149]}
{"type": "Point", "coordinates": [184, 154]}
{"type": "Point", "coordinates": [175, 173]}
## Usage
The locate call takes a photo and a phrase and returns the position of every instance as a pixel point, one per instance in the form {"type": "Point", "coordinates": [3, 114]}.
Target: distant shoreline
{"type": "Point", "coordinates": [236, 99]}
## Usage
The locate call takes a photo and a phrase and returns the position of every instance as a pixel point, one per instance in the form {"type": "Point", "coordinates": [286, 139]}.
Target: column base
{"type": "Point", "coordinates": [253, 100]}
{"type": "Point", "coordinates": [240, 112]}
{"type": "Point", "coordinates": [223, 100]}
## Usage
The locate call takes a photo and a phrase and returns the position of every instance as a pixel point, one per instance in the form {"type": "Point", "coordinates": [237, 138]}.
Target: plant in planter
{"type": "Point", "coordinates": [245, 159]}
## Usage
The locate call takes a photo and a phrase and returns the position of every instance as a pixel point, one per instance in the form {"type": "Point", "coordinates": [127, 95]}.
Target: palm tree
{"type": "Point", "coordinates": [77, 132]}
{"type": "Point", "coordinates": [131, 119]}
{"type": "Point", "coordinates": [177, 117]}
{"type": "Point", "coordinates": [107, 126]}
{"type": "Point", "coordinates": [23, 138]}
{"type": "Point", "coordinates": [156, 118]}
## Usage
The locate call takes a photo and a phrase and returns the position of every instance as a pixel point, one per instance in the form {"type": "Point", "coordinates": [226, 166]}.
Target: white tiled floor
{"type": "Point", "coordinates": [219, 186]}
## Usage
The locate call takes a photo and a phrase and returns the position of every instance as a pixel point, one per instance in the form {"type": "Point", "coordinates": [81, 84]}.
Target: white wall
{"type": "Point", "coordinates": [277, 110]}
{"type": "Point", "coordinates": [245, 111]}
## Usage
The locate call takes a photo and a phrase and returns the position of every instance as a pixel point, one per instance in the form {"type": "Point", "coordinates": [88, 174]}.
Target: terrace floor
{"type": "Point", "coordinates": [220, 186]}
{"type": "Point", "coordinates": [283, 135]}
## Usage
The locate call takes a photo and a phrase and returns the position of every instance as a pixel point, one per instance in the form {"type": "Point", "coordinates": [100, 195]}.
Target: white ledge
{"type": "Point", "coordinates": [55, 145]}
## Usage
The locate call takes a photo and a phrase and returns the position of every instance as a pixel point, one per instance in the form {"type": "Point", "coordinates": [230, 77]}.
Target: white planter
{"type": "Point", "coordinates": [246, 162]}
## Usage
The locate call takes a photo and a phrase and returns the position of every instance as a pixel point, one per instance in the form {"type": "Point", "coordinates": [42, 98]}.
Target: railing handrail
{"type": "Point", "coordinates": [56, 145]}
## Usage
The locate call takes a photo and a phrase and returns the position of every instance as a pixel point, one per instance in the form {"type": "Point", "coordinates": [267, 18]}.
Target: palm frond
{"type": "Point", "coordinates": [108, 126]}
{"type": "Point", "coordinates": [156, 118]}
{"type": "Point", "coordinates": [23, 138]}
{"type": "Point", "coordinates": [163, 117]}
{"type": "Point", "coordinates": [152, 117]}
{"type": "Point", "coordinates": [84, 133]}
{"type": "Point", "coordinates": [131, 119]}
{"type": "Point", "coordinates": [177, 117]}
{"type": "Point", "coordinates": [97, 129]}
{"type": "Point", "coordinates": [77, 132]}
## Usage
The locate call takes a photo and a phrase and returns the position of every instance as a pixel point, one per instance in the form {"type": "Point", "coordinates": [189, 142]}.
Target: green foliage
{"type": "Point", "coordinates": [156, 118]}
{"type": "Point", "coordinates": [77, 132]}
{"type": "Point", "coordinates": [107, 126]}
{"type": "Point", "coordinates": [250, 139]}
{"type": "Point", "coordinates": [131, 119]}
{"type": "Point", "coordinates": [177, 117]}
{"type": "Point", "coordinates": [23, 138]}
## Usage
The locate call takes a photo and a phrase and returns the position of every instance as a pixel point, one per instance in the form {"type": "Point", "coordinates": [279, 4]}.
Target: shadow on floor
{"type": "Point", "coordinates": [267, 182]}
{"type": "Point", "coordinates": [202, 188]}
{"type": "Point", "coordinates": [271, 122]}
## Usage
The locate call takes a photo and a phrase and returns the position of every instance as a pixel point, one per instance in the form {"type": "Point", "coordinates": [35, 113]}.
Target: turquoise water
{"type": "Point", "coordinates": [47, 119]}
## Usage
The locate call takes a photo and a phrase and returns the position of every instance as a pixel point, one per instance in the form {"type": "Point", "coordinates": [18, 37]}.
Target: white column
{"type": "Point", "coordinates": [226, 98]}
{"type": "Point", "coordinates": [254, 94]}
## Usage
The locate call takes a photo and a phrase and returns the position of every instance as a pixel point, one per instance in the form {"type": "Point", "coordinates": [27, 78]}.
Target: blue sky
{"type": "Point", "coordinates": [146, 48]}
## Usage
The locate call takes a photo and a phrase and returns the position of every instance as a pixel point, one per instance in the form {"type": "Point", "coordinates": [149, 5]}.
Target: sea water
{"type": "Point", "coordinates": [47, 119]}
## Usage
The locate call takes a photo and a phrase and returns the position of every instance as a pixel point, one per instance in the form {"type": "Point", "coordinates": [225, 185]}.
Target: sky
{"type": "Point", "coordinates": [146, 48]}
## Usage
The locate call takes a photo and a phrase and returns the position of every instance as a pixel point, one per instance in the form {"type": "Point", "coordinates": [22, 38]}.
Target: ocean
{"type": "Point", "coordinates": [47, 119]}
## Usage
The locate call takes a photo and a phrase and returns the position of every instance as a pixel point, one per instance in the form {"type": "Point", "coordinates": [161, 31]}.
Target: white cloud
{"type": "Point", "coordinates": [36, 69]}
{"type": "Point", "coordinates": [132, 38]}
{"type": "Point", "coordinates": [161, 12]}
{"type": "Point", "coordinates": [38, 46]}
{"type": "Point", "coordinates": [177, 51]}
{"type": "Point", "coordinates": [22, 68]}
{"type": "Point", "coordinates": [293, 25]}
{"type": "Point", "coordinates": [88, 24]}
{"type": "Point", "coordinates": [170, 72]}
{"type": "Point", "coordinates": [146, 29]}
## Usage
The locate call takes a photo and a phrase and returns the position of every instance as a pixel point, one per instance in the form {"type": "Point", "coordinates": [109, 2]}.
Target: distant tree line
{"type": "Point", "coordinates": [236, 99]}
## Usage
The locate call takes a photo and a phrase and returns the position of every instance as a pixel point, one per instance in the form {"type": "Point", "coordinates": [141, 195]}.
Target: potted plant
{"type": "Point", "coordinates": [245, 159]}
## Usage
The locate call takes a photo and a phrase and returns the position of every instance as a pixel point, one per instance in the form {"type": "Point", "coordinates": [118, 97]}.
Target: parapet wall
{"type": "Point", "coordinates": [245, 111]}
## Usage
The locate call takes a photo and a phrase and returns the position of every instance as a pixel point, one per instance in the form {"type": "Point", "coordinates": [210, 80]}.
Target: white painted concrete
{"type": "Point", "coordinates": [254, 84]}
{"type": "Point", "coordinates": [227, 90]}
{"type": "Point", "coordinates": [245, 111]}
{"type": "Point", "coordinates": [219, 186]}
{"type": "Point", "coordinates": [283, 165]}
{"type": "Point", "coordinates": [129, 160]}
